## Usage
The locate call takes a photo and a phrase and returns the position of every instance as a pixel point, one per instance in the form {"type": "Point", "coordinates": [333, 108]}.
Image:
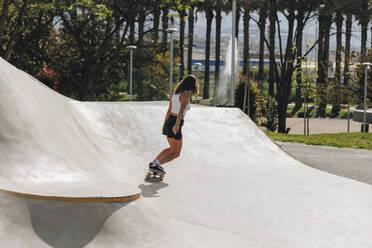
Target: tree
{"type": "Point", "coordinates": [191, 19]}
{"type": "Point", "coordinates": [288, 56]}
{"type": "Point", "coordinates": [11, 23]}
{"type": "Point", "coordinates": [207, 7]}
{"type": "Point", "coordinates": [262, 26]}
{"type": "Point", "coordinates": [246, 19]}
{"type": "Point", "coordinates": [92, 42]}
{"type": "Point", "coordinates": [325, 22]}
{"type": "Point", "coordinates": [221, 5]}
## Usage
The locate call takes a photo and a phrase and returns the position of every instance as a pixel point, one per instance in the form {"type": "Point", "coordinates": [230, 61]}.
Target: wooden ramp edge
{"type": "Point", "coordinates": [75, 199]}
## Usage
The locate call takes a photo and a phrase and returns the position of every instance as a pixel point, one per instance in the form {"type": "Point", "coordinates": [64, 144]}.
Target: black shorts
{"type": "Point", "coordinates": [169, 124]}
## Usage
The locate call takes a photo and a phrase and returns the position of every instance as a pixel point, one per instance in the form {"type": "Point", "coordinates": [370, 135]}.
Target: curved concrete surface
{"type": "Point", "coordinates": [47, 148]}
{"type": "Point", "coordinates": [231, 187]}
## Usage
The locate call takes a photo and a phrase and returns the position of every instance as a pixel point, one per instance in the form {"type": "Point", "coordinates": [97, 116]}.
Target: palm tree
{"type": "Point", "coordinates": [164, 24]}
{"type": "Point", "coordinates": [182, 14]}
{"type": "Point", "coordinates": [218, 46]}
{"type": "Point", "coordinates": [325, 22]}
{"type": "Point", "coordinates": [262, 25]}
{"type": "Point", "coordinates": [190, 36]}
{"type": "Point", "coordinates": [221, 5]}
{"type": "Point", "coordinates": [363, 16]}
{"type": "Point", "coordinates": [156, 21]}
{"type": "Point", "coordinates": [247, 8]}
{"type": "Point", "coordinates": [207, 7]}
{"type": "Point", "coordinates": [336, 104]}
{"type": "Point", "coordinates": [272, 53]}
{"type": "Point", "coordinates": [349, 25]}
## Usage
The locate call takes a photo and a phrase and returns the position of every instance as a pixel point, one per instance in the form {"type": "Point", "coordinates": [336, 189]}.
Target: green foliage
{"type": "Point", "coordinates": [252, 87]}
{"type": "Point", "coordinates": [154, 82]}
{"type": "Point", "coordinates": [271, 114]}
{"type": "Point", "coordinates": [116, 92]}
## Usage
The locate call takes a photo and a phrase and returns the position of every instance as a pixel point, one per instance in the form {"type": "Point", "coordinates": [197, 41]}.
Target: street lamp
{"type": "Point", "coordinates": [171, 31]}
{"type": "Point", "coordinates": [130, 71]}
{"type": "Point", "coordinates": [367, 65]}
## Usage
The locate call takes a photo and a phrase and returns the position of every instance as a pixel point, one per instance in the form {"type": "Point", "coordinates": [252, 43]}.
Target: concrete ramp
{"type": "Point", "coordinates": [231, 187]}
{"type": "Point", "coordinates": [48, 149]}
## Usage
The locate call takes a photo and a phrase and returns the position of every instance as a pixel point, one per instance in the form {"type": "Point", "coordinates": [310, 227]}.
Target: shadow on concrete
{"type": "Point", "coordinates": [152, 189]}
{"type": "Point", "coordinates": [69, 224]}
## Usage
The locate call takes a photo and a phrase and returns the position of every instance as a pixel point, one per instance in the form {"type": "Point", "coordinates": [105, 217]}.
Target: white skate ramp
{"type": "Point", "coordinates": [231, 187]}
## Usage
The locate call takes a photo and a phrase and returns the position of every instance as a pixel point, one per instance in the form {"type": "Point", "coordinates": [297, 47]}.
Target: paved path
{"type": "Point", "coordinates": [318, 125]}
{"type": "Point", "coordinates": [351, 163]}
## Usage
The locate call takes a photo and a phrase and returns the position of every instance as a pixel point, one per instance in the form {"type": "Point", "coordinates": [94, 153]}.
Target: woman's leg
{"type": "Point", "coordinates": [175, 150]}
{"type": "Point", "coordinates": [165, 151]}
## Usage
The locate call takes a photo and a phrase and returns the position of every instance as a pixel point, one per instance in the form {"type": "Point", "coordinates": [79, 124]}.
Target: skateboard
{"type": "Point", "coordinates": [154, 177]}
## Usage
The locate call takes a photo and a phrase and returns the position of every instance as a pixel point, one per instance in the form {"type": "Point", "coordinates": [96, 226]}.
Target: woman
{"type": "Point", "coordinates": [178, 106]}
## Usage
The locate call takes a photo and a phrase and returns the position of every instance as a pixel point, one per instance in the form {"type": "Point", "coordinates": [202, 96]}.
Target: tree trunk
{"type": "Point", "coordinates": [363, 44]}
{"type": "Point", "coordinates": [132, 26]}
{"type": "Point", "coordinates": [237, 21]}
{"type": "Point", "coordinates": [325, 23]}
{"type": "Point", "coordinates": [164, 24]}
{"type": "Point", "coordinates": [218, 51]}
{"type": "Point", "coordinates": [299, 41]}
{"type": "Point", "coordinates": [336, 105]}
{"type": "Point", "coordinates": [285, 81]}
{"type": "Point", "coordinates": [141, 25]}
{"type": "Point", "coordinates": [363, 53]}
{"type": "Point", "coordinates": [246, 56]}
{"type": "Point", "coordinates": [156, 22]}
{"type": "Point", "coordinates": [209, 16]}
{"type": "Point", "coordinates": [349, 25]}
{"type": "Point", "coordinates": [182, 42]}
{"type": "Point", "coordinates": [272, 54]}
{"type": "Point", "coordinates": [262, 23]}
{"type": "Point", "coordinates": [190, 39]}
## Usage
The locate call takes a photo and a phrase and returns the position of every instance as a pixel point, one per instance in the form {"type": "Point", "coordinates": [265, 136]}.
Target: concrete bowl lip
{"type": "Point", "coordinates": [124, 198]}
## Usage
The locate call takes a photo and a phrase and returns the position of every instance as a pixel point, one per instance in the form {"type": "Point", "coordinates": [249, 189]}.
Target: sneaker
{"type": "Point", "coordinates": [157, 169]}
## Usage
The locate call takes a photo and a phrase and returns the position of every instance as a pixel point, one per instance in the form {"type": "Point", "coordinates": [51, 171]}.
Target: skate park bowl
{"type": "Point", "coordinates": [67, 164]}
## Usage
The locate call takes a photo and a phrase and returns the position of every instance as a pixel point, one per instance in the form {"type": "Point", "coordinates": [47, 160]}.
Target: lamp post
{"type": "Point", "coordinates": [367, 65]}
{"type": "Point", "coordinates": [130, 71]}
{"type": "Point", "coordinates": [171, 31]}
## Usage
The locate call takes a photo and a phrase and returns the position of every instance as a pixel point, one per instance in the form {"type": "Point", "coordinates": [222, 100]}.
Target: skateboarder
{"type": "Point", "coordinates": [178, 106]}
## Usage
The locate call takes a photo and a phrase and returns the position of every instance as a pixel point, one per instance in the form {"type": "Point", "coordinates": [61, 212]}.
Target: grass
{"type": "Point", "coordinates": [349, 140]}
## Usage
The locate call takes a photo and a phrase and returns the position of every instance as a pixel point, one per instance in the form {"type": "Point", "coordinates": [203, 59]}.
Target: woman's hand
{"type": "Point", "coordinates": [176, 128]}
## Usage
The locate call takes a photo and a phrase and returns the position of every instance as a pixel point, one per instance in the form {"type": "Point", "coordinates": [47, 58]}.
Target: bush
{"type": "Point", "coordinates": [263, 110]}
{"type": "Point", "coordinates": [271, 114]}
{"type": "Point", "coordinates": [239, 96]}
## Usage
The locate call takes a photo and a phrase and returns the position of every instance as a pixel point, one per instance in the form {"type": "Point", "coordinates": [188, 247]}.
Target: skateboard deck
{"type": "Point", "coordinates": [154, 177]}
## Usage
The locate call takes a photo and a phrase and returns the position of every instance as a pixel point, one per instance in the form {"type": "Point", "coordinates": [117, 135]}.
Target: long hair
{"type": "Point", "coordinates": [188, 83]}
